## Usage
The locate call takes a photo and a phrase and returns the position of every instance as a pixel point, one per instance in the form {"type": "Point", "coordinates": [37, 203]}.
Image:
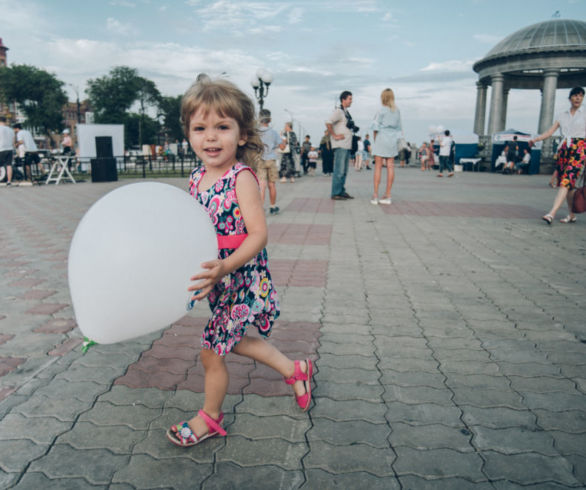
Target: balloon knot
{"type": "Point", "coordinates": [87, 343]}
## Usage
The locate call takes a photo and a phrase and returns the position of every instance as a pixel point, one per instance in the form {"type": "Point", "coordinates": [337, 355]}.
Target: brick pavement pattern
{"type": "Point", "coordinates": [447, 329]}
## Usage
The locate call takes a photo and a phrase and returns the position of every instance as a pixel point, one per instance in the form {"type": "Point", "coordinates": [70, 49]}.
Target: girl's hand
{"type": "Point", "coordinates": [215, 270]}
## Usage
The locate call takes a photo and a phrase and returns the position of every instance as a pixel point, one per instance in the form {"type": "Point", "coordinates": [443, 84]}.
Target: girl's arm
{"type": "Point", "coordinates": [248, 195]}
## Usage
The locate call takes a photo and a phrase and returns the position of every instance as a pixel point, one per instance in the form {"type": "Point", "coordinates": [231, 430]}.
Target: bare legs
{"type": "Point", "coordinates": [563, 194]}
{"type": "Point", "coordinates": [378, 168]}
{"type": "Point", "coordinates": [272, 192]}
{"type": "Point", "coordinates": [216, 375]}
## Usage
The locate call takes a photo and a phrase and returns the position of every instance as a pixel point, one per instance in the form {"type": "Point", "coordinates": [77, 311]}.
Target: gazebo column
{"type": "Point", "coordinates": [496, 104]}
{"type": "Point", "coordinates": [480, 114]}
{"type": "Point", "coordinates": [550, 84]}
{"type": "Point", "coordinates": [503, 124]}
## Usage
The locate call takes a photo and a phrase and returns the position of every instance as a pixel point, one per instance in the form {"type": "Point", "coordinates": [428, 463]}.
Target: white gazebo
{"type": "Point", "coordinates": [544, 56]}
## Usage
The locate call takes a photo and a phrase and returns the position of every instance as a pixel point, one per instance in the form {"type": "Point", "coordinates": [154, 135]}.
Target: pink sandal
{"type": "Point", "coordinates": [304, 400]}
{"type": "Point", "coordinates": [181, 435]}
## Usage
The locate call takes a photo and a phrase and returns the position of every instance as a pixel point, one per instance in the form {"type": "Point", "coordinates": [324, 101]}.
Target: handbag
{"type": "Point", "coordinates": [579, 202]}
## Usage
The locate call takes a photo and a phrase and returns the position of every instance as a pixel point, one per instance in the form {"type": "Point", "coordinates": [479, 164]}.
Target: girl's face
{"type": "Point", "coordinates": [576, 100]}
{"type": "Point", "coordinates": [215, 139]}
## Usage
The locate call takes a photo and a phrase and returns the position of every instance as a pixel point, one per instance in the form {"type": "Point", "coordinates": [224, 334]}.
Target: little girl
{"type": "Point", "coordinates": [219, 121]}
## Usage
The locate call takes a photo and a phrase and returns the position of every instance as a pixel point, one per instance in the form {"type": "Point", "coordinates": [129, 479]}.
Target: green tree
{"type": "Point", "coordinates": [38, 93]}
{"type": "Point", "coordinates": [171, 112]}
{"type": "Point", "coordinates": [113, 96]}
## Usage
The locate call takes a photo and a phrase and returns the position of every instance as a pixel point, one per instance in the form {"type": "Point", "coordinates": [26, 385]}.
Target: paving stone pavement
{"type": "Point", "coordinates": [447, 328]}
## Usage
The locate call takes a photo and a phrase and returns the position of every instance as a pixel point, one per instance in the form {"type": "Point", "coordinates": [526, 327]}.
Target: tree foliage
{"type": "Point", "coordinates": [113, 96]}
{"type": "Point", "coordinates": [39, 95]}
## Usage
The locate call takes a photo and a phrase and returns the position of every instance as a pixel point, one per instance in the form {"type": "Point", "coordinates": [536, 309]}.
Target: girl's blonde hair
{"type": "Point", "coordinates": [227, 100]}
{"type": "Point", "coordinates": [387, 98]}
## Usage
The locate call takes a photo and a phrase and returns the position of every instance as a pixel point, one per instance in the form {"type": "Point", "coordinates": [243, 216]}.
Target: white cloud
{"type": "Point", "coordinates": [487, 38]}
{"type": "Point", "coordinates": [387, 17]}
{"type": "Point", "coordinates": [123, 3]}
{"type": "Point", "coordinates": [449, 66]}
{"type": "Point", "coordinates": [295, 15]}
{"type": "Point", "coordinates": [117, 27]}
{"type": "Point", "coordinates": [229, 14]}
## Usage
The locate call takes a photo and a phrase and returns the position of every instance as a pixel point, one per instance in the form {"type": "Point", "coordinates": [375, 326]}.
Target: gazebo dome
{"type": "Point", "coordinates": [525, 55]}
{"type": "Point", "coordinates": [553, 35]}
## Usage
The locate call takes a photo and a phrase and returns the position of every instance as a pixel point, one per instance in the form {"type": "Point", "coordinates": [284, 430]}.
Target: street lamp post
{"type": "Point", "coordinates": [260, 83]}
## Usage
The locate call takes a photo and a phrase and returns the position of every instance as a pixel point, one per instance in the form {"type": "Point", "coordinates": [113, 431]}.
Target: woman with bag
{"type": "Point", "coordinates": [571, 154]}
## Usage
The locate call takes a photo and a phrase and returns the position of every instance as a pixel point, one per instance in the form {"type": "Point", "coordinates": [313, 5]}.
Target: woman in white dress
{"type": "Point", "coordinates": [386, 131]}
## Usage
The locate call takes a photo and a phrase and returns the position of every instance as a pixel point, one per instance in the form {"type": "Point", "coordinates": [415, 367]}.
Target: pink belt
{"type": "Point", "coordinates": [231, 241]}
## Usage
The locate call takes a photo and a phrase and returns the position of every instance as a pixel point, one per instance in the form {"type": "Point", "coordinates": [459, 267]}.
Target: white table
{"type": "Point", "coordinates": [474, 161]}
{"type": "Point", "coordinates": [59, 168]}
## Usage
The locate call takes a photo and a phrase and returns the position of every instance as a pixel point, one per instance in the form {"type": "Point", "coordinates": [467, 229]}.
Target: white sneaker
{"type": "Point", "coordinates": [374, 201]}
{"type": "Point", "coordinates": [386, 200]}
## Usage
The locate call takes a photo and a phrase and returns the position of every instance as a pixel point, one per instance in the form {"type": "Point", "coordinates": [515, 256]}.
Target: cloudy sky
{"type": "Point", "coordinates": [423, 50]}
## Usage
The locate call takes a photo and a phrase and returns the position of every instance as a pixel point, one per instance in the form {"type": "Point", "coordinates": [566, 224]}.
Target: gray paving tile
{"type": "Point", "coordinates": [432, 436]}
{"type": "Point", "coordinates": [104, 413]}
{"type": "Point", "coordinates": [228, 476]}
{"type": "Point", "coordinates": [348, 433]}
{"type": "Point", "coordinates": [418, 483]}
{"type": "Point", "coordinates": [498, 418]}
{"type": "Point", "coordinates": [418, 394]}
{"type": "Point", "coordinates": [246, 452]}
{"type": "Point", "coordinates": [344, 410]}
{"type": "Point", "coordinates": [350, 459]}
{"type": "Point", "coordinates": [119, 439]}
{"type": "Point", "coordinates": [15, 455]}
{"type": "Point", "coordinates": [41, 430]}
{"type": "Point", "coordinates": [35, 480]}
{"type": "Point", "coordinates": [142, 471]}
{"type": "Point", "coordinates": [514, 440]}
{"type": "Point", "coordinates": [94, 465]}
{"type": "Point", "coordinates": [423, 414]}
{"type": "Point", "coordinates": [439, 463]}
{"type": "Point", "coordinates": [529, 468]}
{"type": "Point", "coordinates": [322, 480]}
{"type": "Point", "coordinates": [572, 421]}
{"type": "Point", "coordinates": [283, 427]}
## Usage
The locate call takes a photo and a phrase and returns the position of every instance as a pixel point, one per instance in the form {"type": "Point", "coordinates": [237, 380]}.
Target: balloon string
{"type": "Point", "coordinates": [87, 343]}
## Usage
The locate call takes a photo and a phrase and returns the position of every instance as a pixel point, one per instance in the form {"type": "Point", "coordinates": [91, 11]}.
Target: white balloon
{"type": "Point", "coordinates": [131, 258]}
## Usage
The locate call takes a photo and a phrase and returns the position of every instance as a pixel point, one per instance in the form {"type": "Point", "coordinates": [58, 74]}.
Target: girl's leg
{"type": "Point", "coordinates": [570, 201]}
{"type": "Point", "coordinates": [390, 176]}
{"type": "Point", "coordinates": [215, 386]}
{"type": "Point", "coordinates": [378, 165]}
{"type": "Point", "coordinates": [559, 199]}
{"type": "Point", "coordinates": [260, 350]}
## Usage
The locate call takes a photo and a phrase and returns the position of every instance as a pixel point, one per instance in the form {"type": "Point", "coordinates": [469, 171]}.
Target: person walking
{"type": "Point", "coordinates": [327, 156]}
{"type": "Point", "coordinates": [219, 120]}
{"type": "Point", "coordinates": [367, 150]}
{"type": "Point", "coordinates": [6, 149]}
{"type": "Point", "coordinates": [27, 150]}
{"type": "Point", "coordinates": [571, 154]}
{"type": "Point", "coordinates": [267, 167]}
{"type": "Point", "coordinates": [340, 128]}
{"type": "Point", "coordinates": [386, 133]}
{"type": "Point", "coordinates": [305, 149]}
{"type": "Point", "coordinates": [444, 154]}
{"type": "Point", "coordinates": [288, 146]}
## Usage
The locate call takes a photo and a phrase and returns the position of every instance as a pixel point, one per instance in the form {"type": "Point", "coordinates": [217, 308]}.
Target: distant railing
{"type": "Point", "coordinates": [147, 166]}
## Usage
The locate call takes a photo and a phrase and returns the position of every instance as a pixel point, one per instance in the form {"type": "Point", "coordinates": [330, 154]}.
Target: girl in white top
{"type": "Point", "coordinates": [571, 154]}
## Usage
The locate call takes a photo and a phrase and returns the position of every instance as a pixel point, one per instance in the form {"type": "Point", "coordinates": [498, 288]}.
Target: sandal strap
{"type": "Point", "coordinates": [213, 425]}
{"type": "Point", "coordinates": [298, 375]}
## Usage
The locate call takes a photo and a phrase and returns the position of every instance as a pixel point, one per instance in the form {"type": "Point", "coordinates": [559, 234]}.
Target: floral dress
{"type": "Point", "coordinates": [245, 296]}
{"type": "Point", "coordinates": [570, 159]}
